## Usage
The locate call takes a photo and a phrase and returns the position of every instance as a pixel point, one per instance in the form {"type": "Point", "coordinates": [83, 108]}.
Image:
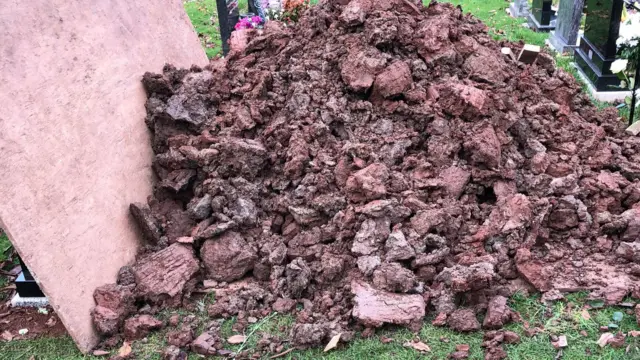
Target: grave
{"type": "Point", "coordinates": [542, 16]}
{"type": "Point", "coordinates": [565, 36]}
{"type": "Point", "coordinates": [228, 15]}
{"type": "Point", "coordinates": [75, 150]}
{"type": "Point", "coordinates": [519, 8]}
{"type": "Point", "coordinates": [597, 50]}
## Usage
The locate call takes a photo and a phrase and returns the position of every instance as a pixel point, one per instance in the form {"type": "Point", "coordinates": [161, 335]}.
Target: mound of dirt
{"type": "Point", "coordinates": [377, 162]}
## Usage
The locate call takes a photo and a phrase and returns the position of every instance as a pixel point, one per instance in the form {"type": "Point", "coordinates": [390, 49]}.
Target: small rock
{"type": "Point", "coordinates": [181, 337]}
{"type": "Point", "coordinates": [511, 337]}
{"type": "Point", "coordinates": [306, 335]}
{"type": "Point", "coordinates": [200, 208]}
{"type": "Point", "coordinates": [283, 305]}
{"type": "Point", "coordinates": [174, 320]}
{"type": "Point", "coordinates": [440, 320]}
{"type": "Point", "coordinates": [562, 341]}
{"type": "Point", "coordinates": [126, 276]}
{"type": "Point", "coordinates": [373, 307]}
{"type": "Point", "coordinates": [204, 344]}
{"type": "Point", "coordinates": [367, 264]}
{"type": "Point", "coordinates": [393, 81]}
{"type": "Point", "coordinates": [228, 257]}
{"type": "Point", "coordinates": [498, 313]}
{"type": "Point", "coordinates": [463, 320]}
{"type": "Point", "coordinates": [304, 215]}
{"type": "Point", "coordinates": [298, 276]}
{"type": "Point", "coordinates": [173, 353]}
{"type": "Point", "coordinates": [244, 211]}
{"type": "Point", "coordinates": [106, 321]}
{"type": "Point", "coordinates": [139, 326]}
{"type": "Point", "coordinates": [398, 248]}
{"type": "Point", "coordinates": [156, 280]}
{"type": "Point", "coordinates": [149, 225]}
{"type": "Point", "coordinates": [618, 341]}
{"type": "Point", "coordinates": [370, 236]}
{"type": "Point", "coordinates": [368, 183]}
{"type": "Point", "coordinates": [394, 277]}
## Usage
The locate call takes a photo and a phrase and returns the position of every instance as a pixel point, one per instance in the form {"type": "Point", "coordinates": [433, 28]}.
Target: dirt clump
{"type": "Point", "coordinates": [376, 162]}
{"type": "Point", "coordinates": [498, 313]}
{"type": "Point", "coordinates": [463, 320]}
{"type": "Point", "coordinates": [180, 337]}
{"type": "Point", "coordinates": [140, 326]}
{"type": "Point", "coordinates": [205, 344]}
{"type": "Point", "coordinates": [374, 307]}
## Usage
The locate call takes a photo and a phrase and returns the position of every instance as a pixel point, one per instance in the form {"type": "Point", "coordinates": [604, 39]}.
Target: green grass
{"type": "Point", "coordinates": [5, 251]}
{"type": "Point", "coordinates": [501, 26]}
{"type": "Point", "coordinates": [5, 247]}
{"type": "Point", "coordinates": [204, 16]}
{"type": "Point", "coordinates": [561, 318]}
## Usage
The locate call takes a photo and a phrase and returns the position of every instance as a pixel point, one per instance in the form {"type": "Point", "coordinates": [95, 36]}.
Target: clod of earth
{"type": "Point", "coordinates": [139, 326]}
{"type": "Point", "coordinates": [377, 161]}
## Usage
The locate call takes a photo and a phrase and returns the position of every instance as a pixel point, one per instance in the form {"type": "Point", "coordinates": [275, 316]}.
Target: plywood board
{"type": "Point", "coordinates": [74, 149]}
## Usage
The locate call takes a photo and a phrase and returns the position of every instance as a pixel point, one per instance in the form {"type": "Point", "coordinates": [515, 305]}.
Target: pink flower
{"type": "Point", "coordinates": [244, 24]}
{"type": "Point", "coordinates": [256, 20]}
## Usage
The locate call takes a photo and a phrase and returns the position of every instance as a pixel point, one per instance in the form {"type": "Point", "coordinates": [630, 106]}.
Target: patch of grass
{"type": "Point", "coordinates": [561, 318]}
{"type": "Point", "coordinates": [566, 318]}
{"type": "Point", "coordinates": [204, 17]}
{"type": "Point", "coordinates": [61, 348]}
{"type": "Point", "coordinates": [5, 247]}
{"type": "Point", "coordinates": [501, 25]}
{"type": "Point", "coordinates": [6, 251]}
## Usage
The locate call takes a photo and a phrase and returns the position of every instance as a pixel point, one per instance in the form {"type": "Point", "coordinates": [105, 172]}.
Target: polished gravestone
{"type": "Point", "coordinates": [565, 36]}
{"type": "Point", "coordinates": [542, 16]}
{"type": "Point", "coordinates": [228, 16]}
{"type": "Point", "coordinates": [519, 8]}
{"type": "Point", "coordinates": [26, 285]}
{"type": "Point", "coordinates": [597, 50]}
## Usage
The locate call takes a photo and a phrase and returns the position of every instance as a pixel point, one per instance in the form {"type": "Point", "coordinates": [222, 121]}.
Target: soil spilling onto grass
{"type": "Point", "coordinates": [29, 323]}
{"type": "Point", "coordinates": [376, 162]}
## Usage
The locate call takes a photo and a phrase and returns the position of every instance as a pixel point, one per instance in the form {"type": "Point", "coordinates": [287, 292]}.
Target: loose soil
{"type": "Point", "coordinates": [38, 324]}
{"type": "Point", "coordinates": [376, 162]}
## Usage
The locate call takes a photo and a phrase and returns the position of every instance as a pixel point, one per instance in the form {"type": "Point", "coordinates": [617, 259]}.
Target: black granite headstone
{"type": "Point", "coordinates": [228, 15]}
{"type": "Point", "coordinates": [597, 50]}
{"type": "Point", "coordinates": [26, 285]}
{"type": "Point", "coordinates": [541, 16]}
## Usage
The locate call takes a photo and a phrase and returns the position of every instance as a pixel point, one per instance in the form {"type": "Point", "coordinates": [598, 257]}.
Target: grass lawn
{"type": "Point", "coordinates": [562, 318]}
{"type": "Point", "coordinates": [5, 249]}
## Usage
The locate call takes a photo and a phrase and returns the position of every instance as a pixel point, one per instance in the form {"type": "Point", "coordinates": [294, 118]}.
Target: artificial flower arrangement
{"type": "Point", "coordinates": [249, 22]}
{"type": "Point", "coordinates": [285, 11]}
{"type": "Point", "coordinates": [629, 52]}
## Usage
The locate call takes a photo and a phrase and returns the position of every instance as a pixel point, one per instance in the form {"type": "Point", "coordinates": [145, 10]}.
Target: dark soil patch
{"type": "Point", "coordinates": [12, 320]}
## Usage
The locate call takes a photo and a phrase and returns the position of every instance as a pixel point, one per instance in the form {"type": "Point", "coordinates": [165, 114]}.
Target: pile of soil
{"type": "Point", "coordinates": [376, 162]}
